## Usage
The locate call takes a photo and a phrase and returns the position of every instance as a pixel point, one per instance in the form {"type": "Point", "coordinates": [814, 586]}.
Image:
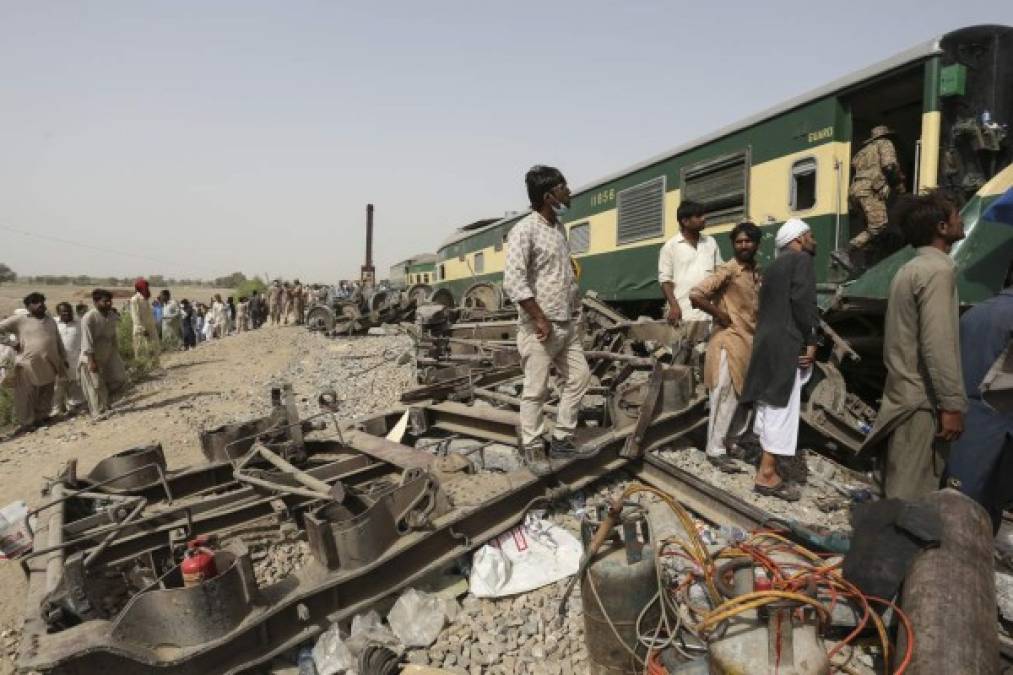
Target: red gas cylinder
{"type": "Point", "coordinates": [198, 562]}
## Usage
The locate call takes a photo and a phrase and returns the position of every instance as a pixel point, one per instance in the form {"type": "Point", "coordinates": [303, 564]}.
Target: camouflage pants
{"type": "Point", "coordinates": [874, 208]}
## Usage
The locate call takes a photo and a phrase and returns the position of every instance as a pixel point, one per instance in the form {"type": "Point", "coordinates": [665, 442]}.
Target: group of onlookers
{"type": "Point", "coordinates": [56, 365]}
{"type": "Point", "coordinates": [761, 331]}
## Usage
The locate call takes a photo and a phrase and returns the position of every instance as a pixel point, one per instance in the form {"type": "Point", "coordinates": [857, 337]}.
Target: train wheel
{"type": "Point", "coordinates": [483, 295]}
{"type": "Point", "coordinates": [441, 296]}
{"type": "Point", "coordinates": [419, 293]}
{"type": "Point", "coordinates": [320, 318]}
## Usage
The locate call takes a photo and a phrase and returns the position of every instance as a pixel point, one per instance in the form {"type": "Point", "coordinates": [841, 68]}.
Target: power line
{"type": "Point", "coordinates": [100, 249]}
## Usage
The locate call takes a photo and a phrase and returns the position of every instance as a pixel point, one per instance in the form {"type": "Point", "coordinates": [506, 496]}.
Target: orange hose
{"type": "Point", "coordinates": [654, 665]}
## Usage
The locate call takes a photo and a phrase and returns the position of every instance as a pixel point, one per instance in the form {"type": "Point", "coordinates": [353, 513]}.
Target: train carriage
{"type": "Point", "coordinates": [947, 99]}
{"type": "Point", "coordinates": [414, 274]}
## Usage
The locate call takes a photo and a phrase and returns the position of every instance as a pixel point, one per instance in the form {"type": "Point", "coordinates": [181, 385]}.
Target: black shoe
{"type": "Point", "coordinates": [564, 448]}
{"type": "Point", "coordinates": [536, 460]}
{"type": "Point", "coordinates": [724, 463]}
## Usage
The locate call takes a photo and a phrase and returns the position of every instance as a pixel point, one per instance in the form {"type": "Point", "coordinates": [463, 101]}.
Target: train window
{"type": "Point", "coordinates": [443, 271]}
{"type": "Point", "coordinates": [425, 278]}
{"type": "Point", "coordinates": [720, 185]}
{"type": "Point", "coordinates": [580, 238]}
{"type": "Point", "coordinates": [803, 184]}
{"type": "Point", "coordinates": [479, 263]}
{"type": "Point", "coordinates": [641, 211]}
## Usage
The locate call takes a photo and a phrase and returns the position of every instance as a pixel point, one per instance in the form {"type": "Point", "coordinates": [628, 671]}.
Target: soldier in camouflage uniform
{"type": "Point", "coordinates": [874, 174]}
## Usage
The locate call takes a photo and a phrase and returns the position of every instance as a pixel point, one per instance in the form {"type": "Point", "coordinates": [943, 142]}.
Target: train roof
{"type": "Point", "coordinates": [417, 258]}
{"type": "Point", "coordinates": [907, 57]}
{"type": "Point", "coordinates": [462, 233]}
{"type": "Point", "coordinates": [904, 58]}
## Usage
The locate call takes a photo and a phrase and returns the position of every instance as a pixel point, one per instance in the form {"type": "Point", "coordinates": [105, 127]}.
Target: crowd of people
{"type": "Point", "coordinates": [759, 331]}
{"type": "Point", "coordinates": [56, 366]}
{"type": "Point", "coordinates": [184, 324]}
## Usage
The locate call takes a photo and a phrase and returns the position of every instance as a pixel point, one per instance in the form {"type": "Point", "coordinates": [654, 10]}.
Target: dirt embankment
{"type": "Point", "coordinates": [222, 381]}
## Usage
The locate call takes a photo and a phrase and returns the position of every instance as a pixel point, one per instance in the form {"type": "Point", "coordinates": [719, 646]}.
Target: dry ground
{"type": "Point", "coordinates": [11, 294]}
{"type": "Point", "coordinates": [222, 381]}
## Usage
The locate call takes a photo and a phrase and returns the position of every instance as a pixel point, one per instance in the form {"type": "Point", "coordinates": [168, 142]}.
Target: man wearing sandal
{"type": "Point", "coordinates": [783, 351]}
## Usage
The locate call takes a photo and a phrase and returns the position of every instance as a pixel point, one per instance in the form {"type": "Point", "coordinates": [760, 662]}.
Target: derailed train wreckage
{"type": "Point", "coordinates": [382, 501]}
{"type": "Point", "coordinates": [386, 500]}
{"type": "Point", "coordinates": [106, 586]}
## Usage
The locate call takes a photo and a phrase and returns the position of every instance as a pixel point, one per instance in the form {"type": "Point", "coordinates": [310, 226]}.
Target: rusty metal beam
{"type": "Point", "coordinates": [299, 607]}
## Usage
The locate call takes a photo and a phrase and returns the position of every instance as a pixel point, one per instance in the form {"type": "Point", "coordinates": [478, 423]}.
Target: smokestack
{"type": "Point", "coordinates": [368, 274]}
{"type": "Point", "coordinates": [369, 235]}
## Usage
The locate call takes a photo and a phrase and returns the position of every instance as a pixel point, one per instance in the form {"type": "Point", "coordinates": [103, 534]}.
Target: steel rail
{"type": "Point", "coordinates": [303, 603]}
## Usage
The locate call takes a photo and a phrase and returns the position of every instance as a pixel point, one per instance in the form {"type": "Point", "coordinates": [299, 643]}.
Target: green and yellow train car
{"type": "Point", "coordinates": [416, 270]}
{"type": "Point", "coordinates": [948, 101]}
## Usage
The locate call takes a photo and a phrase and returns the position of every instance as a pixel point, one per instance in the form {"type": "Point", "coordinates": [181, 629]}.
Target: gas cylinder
{"type": "Point", "coordinates": [619, 584]}
{"type": "Point", "coordinates": [198, 562]}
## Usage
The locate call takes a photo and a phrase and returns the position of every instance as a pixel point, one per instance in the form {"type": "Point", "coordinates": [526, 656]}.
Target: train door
{"type": "Point", "coordinates": [896, 101]}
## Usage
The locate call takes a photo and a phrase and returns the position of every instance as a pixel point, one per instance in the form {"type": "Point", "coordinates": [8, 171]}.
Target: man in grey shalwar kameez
{"type": "Point", "coordinates": [924, 400]}
{"type": "Point", "coordinates": [101, 369]}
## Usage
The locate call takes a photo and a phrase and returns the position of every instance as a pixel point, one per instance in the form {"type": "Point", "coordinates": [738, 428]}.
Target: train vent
{"type": "Point", "coordinates": [641, 211]}
{"type": "Point", "coordinates": [720, 185]}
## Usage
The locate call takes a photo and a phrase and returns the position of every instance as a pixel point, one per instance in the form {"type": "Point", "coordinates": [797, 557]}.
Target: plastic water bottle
{"type": "Point", "coordinates": [864, 427]}
{"type": "Point", "coordinates": [733, 535]}
{"type": "Point", "coordinates": [986, 118]}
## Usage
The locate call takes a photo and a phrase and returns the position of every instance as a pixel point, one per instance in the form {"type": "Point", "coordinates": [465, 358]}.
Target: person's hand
{"type": "Point", "coordinates": [722, 319]}
{"type": "Point", "coordinates": [951, 425]}
{"type": "Point", "coordinates": [805, 360]}
{"type": "Point", "coordinates": [542, 329]}
{"type": "Point", "coordinates": [674, 315]}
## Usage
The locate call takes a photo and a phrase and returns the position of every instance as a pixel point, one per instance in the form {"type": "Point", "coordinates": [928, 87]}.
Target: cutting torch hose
{"type": "Point", "coordinates": [792, 582]}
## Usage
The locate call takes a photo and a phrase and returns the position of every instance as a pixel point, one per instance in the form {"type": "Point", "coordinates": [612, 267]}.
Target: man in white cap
{"type": "Point", "coordinates": [783, 351]}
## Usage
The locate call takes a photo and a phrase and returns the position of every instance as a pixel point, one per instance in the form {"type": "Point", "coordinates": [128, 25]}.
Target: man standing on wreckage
{"type": "Point", "coordinates": [729, 295]}
{"type": "Point", "coordinates": [783, 351]}
{"type": "Point", "coordinates": [539, 278]}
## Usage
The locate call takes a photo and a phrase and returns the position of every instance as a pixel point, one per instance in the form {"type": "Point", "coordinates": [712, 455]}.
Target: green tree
{"type": "Point", "coordinates": [231, 281]}
{"type": "Point", "coordinates": [6, 273]}
{"type": "Point", "coordinates": [246, 288]}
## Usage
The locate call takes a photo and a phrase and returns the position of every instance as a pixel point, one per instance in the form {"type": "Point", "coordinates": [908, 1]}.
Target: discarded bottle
{"type": "Point", "coordinates": [864, 427]}
{"type": "Point", "coordinates": [733, 535]}
{"type": "Point", "coordinates": [986, 118]}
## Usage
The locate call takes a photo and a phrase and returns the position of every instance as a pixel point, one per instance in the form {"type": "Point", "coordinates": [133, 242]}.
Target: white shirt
{"type": "Point", "coordinates": [685, 266]}
{"type": "Point", "coordinates": [170, 310]}
{"type": "Point", "coordinates": [70, 335]}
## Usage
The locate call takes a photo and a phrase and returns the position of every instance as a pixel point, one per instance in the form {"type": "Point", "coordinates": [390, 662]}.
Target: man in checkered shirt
{"type": "Point", "coordinates": [539, 278]}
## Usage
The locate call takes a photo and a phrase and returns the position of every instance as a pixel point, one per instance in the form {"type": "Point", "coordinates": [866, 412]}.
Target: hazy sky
{"type": "Point", "coordinates": [199, 138]}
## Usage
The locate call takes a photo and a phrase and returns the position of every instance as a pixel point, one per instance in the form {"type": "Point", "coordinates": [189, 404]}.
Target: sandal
{"type": "Point", "coordinates": [783, 490]}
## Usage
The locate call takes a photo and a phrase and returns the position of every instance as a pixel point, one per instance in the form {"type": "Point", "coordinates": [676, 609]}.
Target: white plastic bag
{"type": "Point", "coordinates": [527, 557]}
{"type": "Point", "coordinates": [330, 654]}
{"type": "Point", "coordinates": [14, 537]}
{"type": "Point", "coordinates": [369, 629]}
{"type": "Point", "coordinates": [417, 618]}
